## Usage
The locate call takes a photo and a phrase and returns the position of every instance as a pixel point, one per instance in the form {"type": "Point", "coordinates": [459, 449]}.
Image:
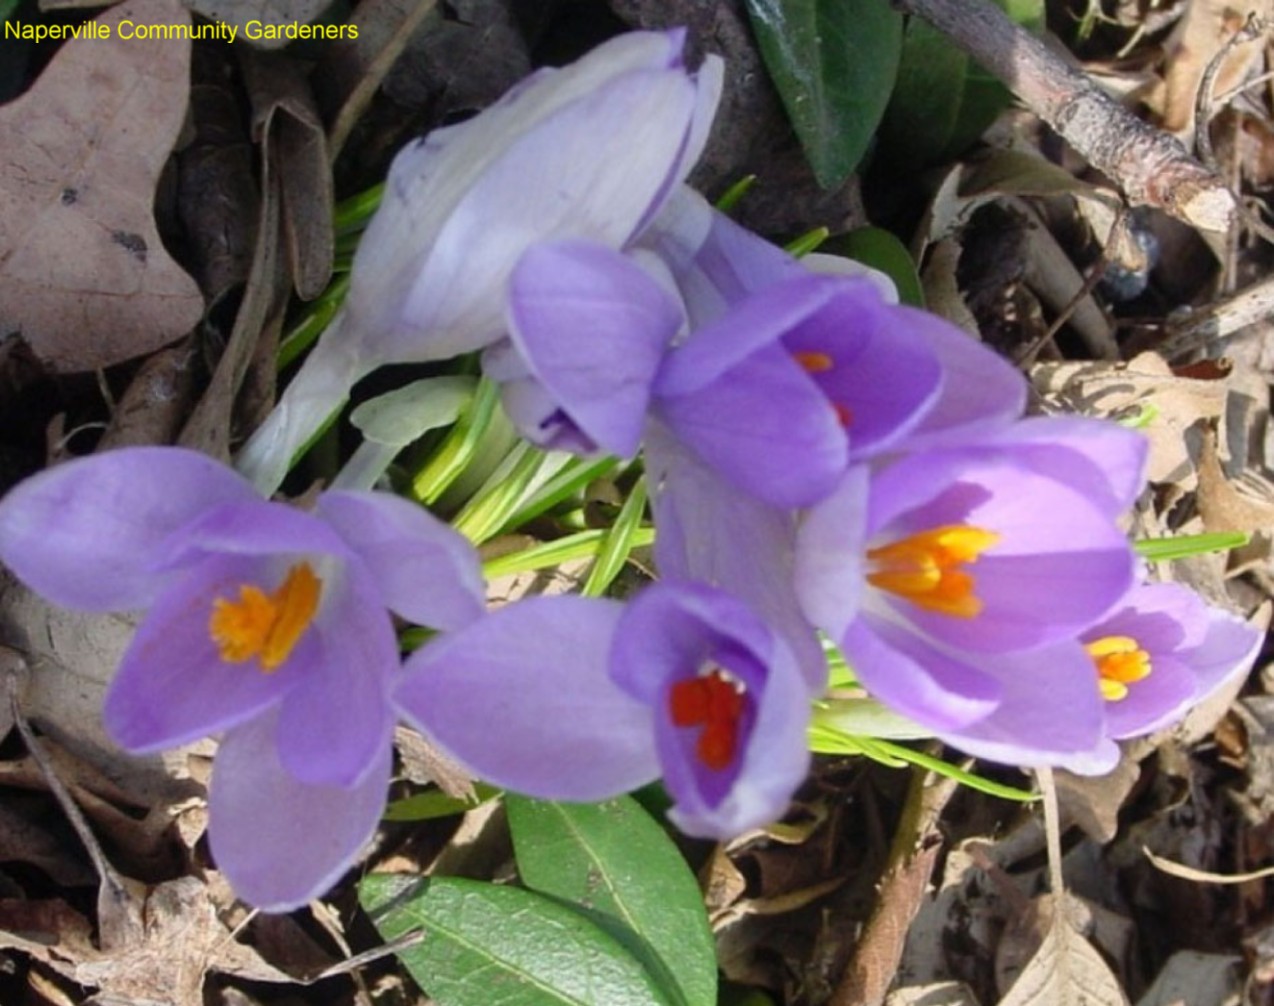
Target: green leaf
{"type": "Point", "coordinates": [943, 100]}
{"type": "Point", "coordinates": [615, 862]}
{"type": "Point", "coordinates": [834, 64]}
{"type": "Point", "coordinates": [486, 944]}
{"type": "Point", "coordinates": [618, 544]}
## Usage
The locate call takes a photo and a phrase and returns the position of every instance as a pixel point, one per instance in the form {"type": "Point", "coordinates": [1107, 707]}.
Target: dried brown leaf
{"type": "Point", "coordinates": [71, 657]}
{"type": "Point", "coordinates": [1065, 971]}
{"type": "Point", "coordinates": [83, 275]}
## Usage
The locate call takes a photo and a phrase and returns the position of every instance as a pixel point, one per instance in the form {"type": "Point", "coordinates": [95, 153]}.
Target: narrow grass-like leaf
{"type": "Point", "coordinates": [1183, 546]}
{"type": "Point", "coordinates": [459, 447]}
{"type": "Point", "coordinates": [573, 478]}
{"type": "Point", "coordinates": [834, 64]}
{"type": "Point", "coordinates": [317, 317]}
{"type": "Point", "coordinates": [824, 740]}
{"type": "Point", "coordinates": [581, 545]}
{"type": "Point", "coordinates": [485, 944]}
{"type": "Point", "coordinates": [351, 215]}
{"type": "Point", "coordinates": [619, 866]}
{"type": "Point", "coordinates": [491, 508]}
{"type": "Point", "coordinates": [618, 544]}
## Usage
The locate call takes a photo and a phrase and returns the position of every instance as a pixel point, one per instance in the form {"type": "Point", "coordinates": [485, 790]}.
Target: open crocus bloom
{"type": "Point", "coordinates": [261, 621]}
{"type": "Point", "coordinates": [947, 575]}
{"type": "Point", "coordinates": [1161, 652]}
{"type": "Point", "coordinates": [463, 204]}
{"type": "Point", "coordinates": [698, 690]}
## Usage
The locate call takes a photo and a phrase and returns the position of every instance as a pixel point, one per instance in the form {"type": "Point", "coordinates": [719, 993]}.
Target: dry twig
{"type": "Point", "coordinates": [1151, 167]}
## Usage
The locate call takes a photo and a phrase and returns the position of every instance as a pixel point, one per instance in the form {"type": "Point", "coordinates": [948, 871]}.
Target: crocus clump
{"type": "Point", "coordinates": [462, 204]}
{"type": "Point", "coordinates": [263, 623]}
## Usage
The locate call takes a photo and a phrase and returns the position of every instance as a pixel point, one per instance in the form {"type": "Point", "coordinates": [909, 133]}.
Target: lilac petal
{"type": "Point", "coordinates": [593, 327]}
{"type": "Point", "coordinates": [426, 572]}
{"type": "Point", "coordinates": [715, 261]}
{"type": "Point", "coordinates": [280, 842]}
{"type": "Point", "coordinates": [710, 531]}
{"type": "Point", "coordinates": [87, 533]}
{"type": "Point", "coordinates": [334, 723]}
{"type": "Point", "coordinates": [766, 427]}
{"type": "Point", "coordinates": [430, 177]}
{"type": "Point", "coordinates": [1162, 617]}
{"type": "Point", "coordinates": [1105, 461]}
{"type": "Point", "coordinates": [1155, 701]}
{"type": "Point", "coordinates": [830, 561]}
{"type": "Point", "coordinates": [750, 326]}
{"type": "Point", "coordinates": [935, 689]}
{"type": "Point", "coordinates": [172, 686]}
{"type": "Point", "coordinates": [1229, 649]}
{"type": "Point", "coordinates": [1049, 713]}
{"type": "Point", "coordinates": [981, 391]}
{"type": "Point", "coordinates": [255, 529]}
{"type": "Point", "coordinates": [882, 376]}
{"type": "Point", "coordinates": [557, 180]}
{"type": "Point", "coordinates": [522, 698]}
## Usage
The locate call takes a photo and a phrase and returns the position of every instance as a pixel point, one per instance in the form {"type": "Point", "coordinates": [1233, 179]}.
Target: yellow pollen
{"type": "Point", "coordinates": [264, 625]}
{"type": "Point", "coordinates": [1120, 662]}
{"type": "Point", "coordinates": [814, 362]}
{"type": "Point", "coordinates": [927, 568]}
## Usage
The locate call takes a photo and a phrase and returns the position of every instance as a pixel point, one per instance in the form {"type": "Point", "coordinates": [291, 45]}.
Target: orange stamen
{"type": "Point", "coordinates": [715, 702]}
{"type": "Point", "coordinates": [814, 362]}
{"type": "Point", "coordinates": [263, 625]}
{"type": "Point", "coordinates": [1120, 662]}
{"type": "Point", "coordinates": [927, 568]}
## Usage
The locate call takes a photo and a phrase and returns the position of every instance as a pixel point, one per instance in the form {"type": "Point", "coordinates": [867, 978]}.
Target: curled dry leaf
{"type": "Point", "coordinates": [83, 276]}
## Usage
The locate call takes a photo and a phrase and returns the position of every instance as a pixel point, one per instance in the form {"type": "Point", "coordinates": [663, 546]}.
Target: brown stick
{"type": "Point", "coordinates": [1151, 167]}
{"type": "Point", "coordinates": [902, 889]}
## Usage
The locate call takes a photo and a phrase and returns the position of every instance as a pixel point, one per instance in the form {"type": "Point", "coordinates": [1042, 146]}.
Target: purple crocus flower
{"type": "Point", "coordinates": [590, 150]}
{"type": "Point", "coordinates": [947, 574]}
{"type": "Point", "coordinates": [699, 690]}
{"type": "Point", "coordinates": [261, 621]}
{"type": "Point", "coordinates": [1163, 651]}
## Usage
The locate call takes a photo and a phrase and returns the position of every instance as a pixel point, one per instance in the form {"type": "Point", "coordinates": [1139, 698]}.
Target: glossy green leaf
{"type": "Point", "coordinates": [615, 862]}
{"type": "Point", "coordinates": [834, 64]}
{"type": "Point", "coordinates": [944, 100]}
{"type": "Point", "coordinates": [485, 944]}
